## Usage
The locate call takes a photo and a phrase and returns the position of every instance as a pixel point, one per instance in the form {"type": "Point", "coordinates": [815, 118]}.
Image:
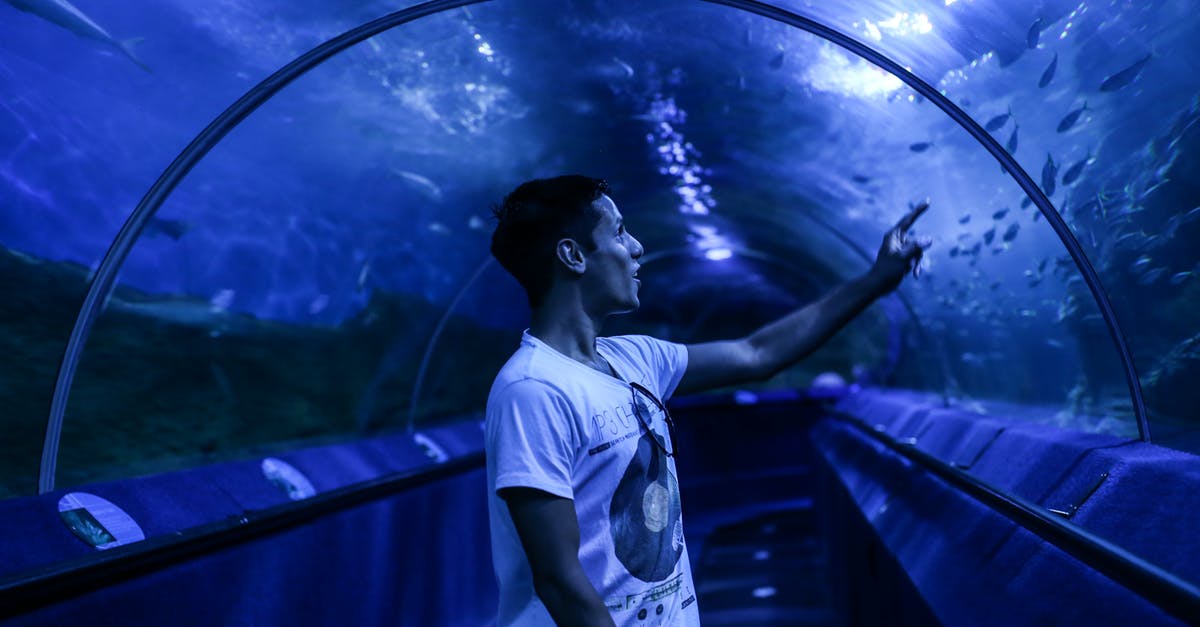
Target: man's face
{"type": "Point", "coordinates": [610, 278]}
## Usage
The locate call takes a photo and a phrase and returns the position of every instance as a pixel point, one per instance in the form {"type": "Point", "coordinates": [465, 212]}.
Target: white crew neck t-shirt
{"type": "Point", "coordinates": [559, 426]}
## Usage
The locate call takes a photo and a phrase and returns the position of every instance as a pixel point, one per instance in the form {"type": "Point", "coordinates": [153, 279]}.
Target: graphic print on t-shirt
{"type": "Point", "coordinates": [644, 514]}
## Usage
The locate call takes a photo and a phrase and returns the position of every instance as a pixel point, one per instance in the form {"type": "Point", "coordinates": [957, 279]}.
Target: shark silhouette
{"type": "Point", "coordinates": [68, 16]}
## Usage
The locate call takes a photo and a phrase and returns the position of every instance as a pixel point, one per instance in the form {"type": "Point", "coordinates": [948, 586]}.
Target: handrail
{"type": "Point", "coordinates": [31, 590]}
{"type": "Point", "coordinates": [1162, 588]}
{"type": "Point", "coordinates": [1006, 160]}
{"type": "Point", "coordinates": [106, 274]}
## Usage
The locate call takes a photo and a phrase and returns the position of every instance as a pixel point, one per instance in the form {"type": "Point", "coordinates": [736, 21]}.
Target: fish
{"type": "Point", "coordinates": [66, 15]}
{"type": "Point", "coordinates": [1034, 34]}
{"type": "Point", "coordinates": [614, 69]}
{"type": "Point", "coordinates": [1152, 277]}
{"type": "Point", "coordinates": [222, 300]}
{"type": "Point", "coordinates": [1089, 208]}
{"type": "Point", "coordinates": [1011, 145]}
{"type": "Point", "coordinates": [363, 274]}
{"type": "Point", "coordinates": [1026, 202]}
{"type": "Point", "coordinates": [1132, 237]}
{"type": "Point", "coordinates": [173, 229]}
{"type": "Point", "coordinates": [998, 122]}
{"type": "Point", "coordinates": [626, 69]}
{"type": "Point", "coordinates": [1048, 75]}
{"type": "Point", "coordinates": [954, 251]}
{"type": "Point", "coordinates": [976, 248]}
{"type": "Point", "coordinates": [920, 146]}
{"type": "Point", "coordinates": [999, 215]}
{"type": "Point", "coordinates": [1142, 263]}
{"type": "Point", "coordinates": [860, 179]}
{"type": "Point", "coordinates": [1120, 79]}
{"type": "Point", "coordinates": [1180, 277]}
{"type": "Point", "coordinates": [776, 62]}
{"type": "Point", "coordinates": [1011, 233]}
{"type": "Point", "coordinates": [966, 217]}
{"type": "Point", "coordinates": [318, 304]}
{"type": "Point", "coordinates": [1037, 216]}
{"type": "Point", "coordinates": [426, 187]}
{"type": "Point", "coordinates": [1075, 170]}
{"type": "Point", "coordinates": [1071, 118]}
{"type": "Point", "coordinates": [476, 223]}
{"type": "Point", "coordinates": [1172, 226]}
{"type": "Point", "coordinates": [989, 236]}
{"type": "Point", "coordinates": [1041, 267]}
{"type": "Point", "coordinates": [1049, 174]}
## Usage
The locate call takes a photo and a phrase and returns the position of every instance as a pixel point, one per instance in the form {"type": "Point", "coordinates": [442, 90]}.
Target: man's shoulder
{"type": "Point", "coordinates": [642, 348]}
{"type": "Point", "coordinates": [526, 371]}
{"type": "Point", "coordinates": [636, 341]}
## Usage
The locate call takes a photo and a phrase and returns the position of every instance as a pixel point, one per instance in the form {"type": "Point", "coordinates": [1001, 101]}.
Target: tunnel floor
{"type": "Point", "coordinates": [765, 569]}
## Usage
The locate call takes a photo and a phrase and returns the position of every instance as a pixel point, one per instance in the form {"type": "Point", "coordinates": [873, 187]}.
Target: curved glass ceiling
{"type": "Point", "coordinates": [298, 283]}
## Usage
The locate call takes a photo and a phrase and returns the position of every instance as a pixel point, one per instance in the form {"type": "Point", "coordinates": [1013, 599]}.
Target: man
{"type": "Point", "coordinates": [584, 501]}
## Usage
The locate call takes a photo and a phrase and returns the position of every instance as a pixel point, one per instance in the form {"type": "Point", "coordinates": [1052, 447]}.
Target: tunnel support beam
{"type": "Point", "coordinates": [1090, 276]}
{"type": "Point", "coordinates": [105, 277]}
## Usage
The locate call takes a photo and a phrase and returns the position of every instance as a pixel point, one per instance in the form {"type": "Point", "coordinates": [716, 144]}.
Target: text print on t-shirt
{"type": "Point", "coordinates": [613, 426]}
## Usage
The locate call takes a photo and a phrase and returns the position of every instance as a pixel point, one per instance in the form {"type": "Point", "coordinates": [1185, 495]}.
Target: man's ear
{"type": "Point", "coordinates": [570, 254]}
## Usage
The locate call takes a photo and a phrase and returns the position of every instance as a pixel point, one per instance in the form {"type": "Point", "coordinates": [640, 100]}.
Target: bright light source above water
{"type": "Point", "coordinates": [836, 72]}
{"type": "Point", "coordinates": [900, 24]}
{"type": "Point", "coordinates": [718, 254]}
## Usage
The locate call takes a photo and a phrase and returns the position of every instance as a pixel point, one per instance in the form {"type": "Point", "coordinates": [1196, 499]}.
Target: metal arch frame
{"type": "Point", "coordinates": [105, 277]}
{"type": "Point", "coordinates": [212, 134]}
{"type": "Point", "coordinates": [419, 381]}
{"type": "Point", "coordinates": [1090, 276]}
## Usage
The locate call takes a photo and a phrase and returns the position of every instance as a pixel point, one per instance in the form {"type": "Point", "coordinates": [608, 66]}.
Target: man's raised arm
{"type": "Point", "coordinates": [785, 341]}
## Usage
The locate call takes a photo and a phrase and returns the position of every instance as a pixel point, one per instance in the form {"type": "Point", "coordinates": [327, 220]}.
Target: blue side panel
{"type": "Point", "coordinates": [420, 558]}
{"type": "Point", "coordinates": [973, 566]}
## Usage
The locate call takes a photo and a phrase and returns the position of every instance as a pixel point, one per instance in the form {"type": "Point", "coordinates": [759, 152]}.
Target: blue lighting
{"type": "Point", "coordinates": [718, 254]}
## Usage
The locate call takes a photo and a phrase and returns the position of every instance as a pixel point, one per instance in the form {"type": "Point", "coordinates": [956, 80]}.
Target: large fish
{"type": "Point", "coordinates": [426, 187]}
{"type": "Point", "coordinates": [1071, 118]}
{"type": "Point", "coordinates": [1049, 174]}
{"type": "Point", "coordinates": [1035, 33]}
{"type": "Point", "coordinates": [66, 15]}
{"type": "Point", "coordinates": [1048, 75]}
{"type": "Point", "coordinates": [998, 122]}
{"type": "Point", "coordinates": [1011, 146]}
{"type": "Point", "coordinates": [1125, 76]}
{"type": "Point", "coordinates": [1075, 170]}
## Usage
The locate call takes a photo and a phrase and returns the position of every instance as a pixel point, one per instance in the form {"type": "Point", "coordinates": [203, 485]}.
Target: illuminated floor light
{"type": "Point", "coordinates": [764, 592]}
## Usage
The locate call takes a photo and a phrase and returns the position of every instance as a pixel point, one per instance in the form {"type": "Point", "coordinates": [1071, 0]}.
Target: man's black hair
{"type": "Point", "coordinates": [534, 217]}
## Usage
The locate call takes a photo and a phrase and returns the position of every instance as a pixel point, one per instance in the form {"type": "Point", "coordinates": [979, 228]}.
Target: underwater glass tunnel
{"type": "Point", "coordinates": [250, 316]}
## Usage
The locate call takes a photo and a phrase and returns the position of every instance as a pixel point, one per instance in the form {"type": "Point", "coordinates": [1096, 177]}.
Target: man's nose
{"type": "Point", "coordinates": [637, 250]}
